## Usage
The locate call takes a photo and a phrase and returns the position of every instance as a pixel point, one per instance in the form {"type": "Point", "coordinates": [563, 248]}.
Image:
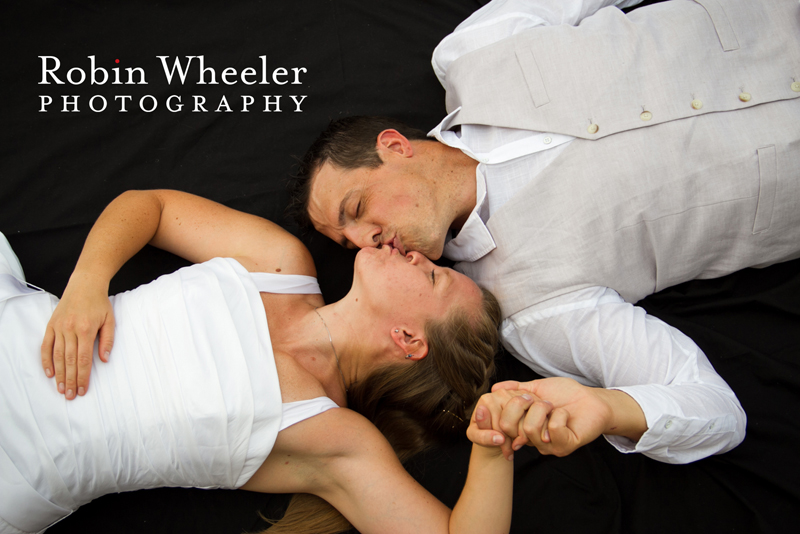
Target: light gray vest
{"type": "Point", "coordinates": [639, 205]}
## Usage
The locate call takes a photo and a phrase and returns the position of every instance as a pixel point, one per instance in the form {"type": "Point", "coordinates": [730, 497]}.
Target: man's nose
{"type": "Point", "coordinates": [363, 237]}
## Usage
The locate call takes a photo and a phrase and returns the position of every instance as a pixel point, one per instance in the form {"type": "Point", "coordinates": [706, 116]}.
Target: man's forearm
{"type": "Point", "coordinates": [686, 422]}
{"type": "Point", "coordinates": [600, 340]}
{"type": "Point", "coordinates": [627, 418]}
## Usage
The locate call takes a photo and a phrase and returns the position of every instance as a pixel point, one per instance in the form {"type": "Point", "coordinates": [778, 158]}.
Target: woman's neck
{"type": "Point", "coordinates": [322, 340]}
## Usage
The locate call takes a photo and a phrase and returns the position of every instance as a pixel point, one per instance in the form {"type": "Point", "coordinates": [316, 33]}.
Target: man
{"type": "Point", "coordinates": [579, 170]}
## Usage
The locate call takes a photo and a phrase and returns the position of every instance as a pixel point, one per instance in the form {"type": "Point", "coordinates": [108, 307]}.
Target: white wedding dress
{"type": "Point", "coordinates": [190, 396]}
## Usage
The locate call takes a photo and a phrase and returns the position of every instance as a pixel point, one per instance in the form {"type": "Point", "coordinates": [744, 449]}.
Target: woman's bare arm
{"type": "Point", "coordinates": [192, 227]}
{"type": "Point", "coordinates": [342, 458]}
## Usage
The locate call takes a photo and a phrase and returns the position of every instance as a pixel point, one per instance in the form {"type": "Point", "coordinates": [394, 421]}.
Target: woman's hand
{"type": "Point", "coordinates": [194, 228]}
{"type": "Point", "coordinates": [498, 417]}
{"type": "Point", "coordinates": [68, 343]}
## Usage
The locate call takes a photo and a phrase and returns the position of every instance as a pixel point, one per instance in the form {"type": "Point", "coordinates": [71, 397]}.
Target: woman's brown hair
{"type": "Point", "coordinates": [416, 405]}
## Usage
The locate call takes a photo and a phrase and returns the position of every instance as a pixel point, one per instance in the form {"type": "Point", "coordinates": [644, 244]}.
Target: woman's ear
{"type": "Point", "coordinates": [411, 342]}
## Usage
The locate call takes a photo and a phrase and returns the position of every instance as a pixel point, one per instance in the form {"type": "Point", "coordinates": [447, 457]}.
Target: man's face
{"type": "Point", "coordinates": [390, 205]}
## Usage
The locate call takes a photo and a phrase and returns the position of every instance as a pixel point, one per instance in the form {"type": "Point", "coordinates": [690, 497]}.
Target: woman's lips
{"type": "Point", "coordinates": [398, 245]}
{"type": "Point", "coordinates": [392, 250]}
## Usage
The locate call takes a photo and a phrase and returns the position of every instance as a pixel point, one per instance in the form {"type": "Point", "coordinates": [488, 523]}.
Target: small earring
{"type": "Point", "coordinates": [408, 356]}
{"type": "Point", "coordinates": [396, 330]}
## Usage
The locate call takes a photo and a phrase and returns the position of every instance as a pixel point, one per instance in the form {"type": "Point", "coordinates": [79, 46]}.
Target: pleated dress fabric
{"type": "Point", "coordinates": [190, 396]}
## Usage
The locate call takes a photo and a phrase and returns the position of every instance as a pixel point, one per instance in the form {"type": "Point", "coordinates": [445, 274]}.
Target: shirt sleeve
{"type": "Point", "coordinates": [598, 339]}
{"type": "Point", "coordinates": [504, 18]}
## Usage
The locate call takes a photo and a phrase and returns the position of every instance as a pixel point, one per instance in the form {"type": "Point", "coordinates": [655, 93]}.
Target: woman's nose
{"type": "Point", "coordinates": [414, 257]}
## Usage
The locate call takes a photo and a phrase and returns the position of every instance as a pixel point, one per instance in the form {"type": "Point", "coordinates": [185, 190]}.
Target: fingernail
{"type": "Point", "coordinates": [548, 402]}
{"type": "Point", "coordinates": [527, 397]}
{"type": "Point", "coordinates": [517, 447]}
{"type": "Point", "coordinates": [497, 440]}
{"type": "Point", "coordinates": [479, 415]}
{"type": "Point", "coordinates": [61, 387]}
{"type": "Point", "coordinates": [547, 435]}
{"type": "Point", "coordinates": [48, 372]}
{"type": "Point", "coordinates": [107, 355]}
{"type": "Point", "coordinates": [81, 391]}
{"type": "Point", "coordinates": [510, 457]}
{"type": "Point", "coordinates": [69, 393]}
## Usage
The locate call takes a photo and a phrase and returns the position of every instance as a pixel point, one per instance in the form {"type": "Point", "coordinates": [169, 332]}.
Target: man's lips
{"type": "Point", "coordinates": [398, 245]}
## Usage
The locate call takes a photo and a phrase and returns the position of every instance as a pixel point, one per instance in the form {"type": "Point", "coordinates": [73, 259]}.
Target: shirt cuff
{"type": "Point", "coordinates": [672, 437]}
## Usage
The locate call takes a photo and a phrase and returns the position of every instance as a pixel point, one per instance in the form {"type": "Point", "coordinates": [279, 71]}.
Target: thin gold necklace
{"type": "Point", "coordinates": [346, 389]}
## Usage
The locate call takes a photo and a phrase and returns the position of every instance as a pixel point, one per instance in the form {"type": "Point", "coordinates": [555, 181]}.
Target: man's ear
{"type": "Point", "coordinates": [394, 142]}
{"type": "Point", "coordinates": [412, 343]}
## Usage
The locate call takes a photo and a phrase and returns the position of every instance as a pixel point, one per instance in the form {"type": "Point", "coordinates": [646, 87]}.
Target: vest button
{"type": "Point", "coordinates": [646, 116]}
{"type": "Point", "coordinates": [744, 97]}
{"type": "Point", "coordinates": [547, 140]}
{"type": "Point", "coordinates": [796, 87]}
{"type": "Point", "coordinates": [697, 104]}
{"type": "Point", "coordinates": [592, 129]}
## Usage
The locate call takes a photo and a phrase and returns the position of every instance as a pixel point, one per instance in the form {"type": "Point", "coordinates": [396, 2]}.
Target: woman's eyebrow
{"type": "Point", "coordinates": [450, 278]}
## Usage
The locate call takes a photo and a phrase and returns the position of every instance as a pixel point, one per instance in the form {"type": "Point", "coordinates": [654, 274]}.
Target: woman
{"type": "Point", "coordinates": [197, 391]}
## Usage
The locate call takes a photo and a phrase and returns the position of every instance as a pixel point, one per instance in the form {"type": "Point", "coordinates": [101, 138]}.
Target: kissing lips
{"type": "Point", "coordinates": [398, 245]}
{"type": "Point", "coordinates": [390, 248]}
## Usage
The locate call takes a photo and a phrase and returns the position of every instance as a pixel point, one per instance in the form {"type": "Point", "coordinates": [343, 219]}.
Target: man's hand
{"type": "Point", "coordinates": [486, 425]}
{"type": "Point", "coordinates": [68, 343]}
{"type": "Point", "coordinates": [578, 416]}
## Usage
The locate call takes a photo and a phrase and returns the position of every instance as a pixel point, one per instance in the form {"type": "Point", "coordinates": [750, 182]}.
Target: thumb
{"type": "Point", "coordinates": [508, 384]}
{"type": "Point", "coordinates": [106, 342]}
{"type": "Point", "coordinates": [521, 386]}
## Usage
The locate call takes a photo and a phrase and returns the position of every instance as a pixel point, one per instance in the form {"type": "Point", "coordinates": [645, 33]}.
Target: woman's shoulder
{"type": "Point", "coordinates": [337, 433]}
{"type": "Point", "coordinates": [318, 451]}
{"type": "Point", "coordinates": [282, 253]}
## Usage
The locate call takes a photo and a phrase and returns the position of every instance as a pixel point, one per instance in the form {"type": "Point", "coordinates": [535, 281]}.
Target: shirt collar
{"type": "Point", "coordinates": [474, 241]}
{"type": "Point", "coordinates": [451, 138]}
{"type": "Point", "coordinates": [512, 145]}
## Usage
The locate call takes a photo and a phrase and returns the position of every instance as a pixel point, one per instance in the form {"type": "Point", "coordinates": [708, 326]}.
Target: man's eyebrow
{"type": "Point", "coordinates": [342, 205]}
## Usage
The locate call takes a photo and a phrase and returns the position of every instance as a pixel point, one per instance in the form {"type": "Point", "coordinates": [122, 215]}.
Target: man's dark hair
{"type": "Point", "coordinates": [347, 143]}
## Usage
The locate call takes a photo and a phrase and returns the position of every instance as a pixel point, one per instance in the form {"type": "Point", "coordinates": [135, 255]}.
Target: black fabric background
{"type": "Point", "coordinates": [60, 169]}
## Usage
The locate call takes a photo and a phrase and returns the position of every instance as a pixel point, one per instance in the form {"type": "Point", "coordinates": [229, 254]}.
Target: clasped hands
{"type": "Point", "coordinates": [555, 415]}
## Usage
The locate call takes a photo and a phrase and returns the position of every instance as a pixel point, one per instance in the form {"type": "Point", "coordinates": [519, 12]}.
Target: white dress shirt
{"type": "Point", "coordinates": [591, 335]}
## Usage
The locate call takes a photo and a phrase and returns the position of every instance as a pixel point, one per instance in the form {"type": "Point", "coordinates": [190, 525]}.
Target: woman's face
{"type": "Point", "coordinates": [411, 286]}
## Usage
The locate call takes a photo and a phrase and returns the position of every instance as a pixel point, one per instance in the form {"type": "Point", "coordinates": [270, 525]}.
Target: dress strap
{"type": "Point", "coordinates": [9, 263]}
{"type": "Point", "coordinates": [294, 412]}
{"type": "Point", "coordinates": [293, 284]}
